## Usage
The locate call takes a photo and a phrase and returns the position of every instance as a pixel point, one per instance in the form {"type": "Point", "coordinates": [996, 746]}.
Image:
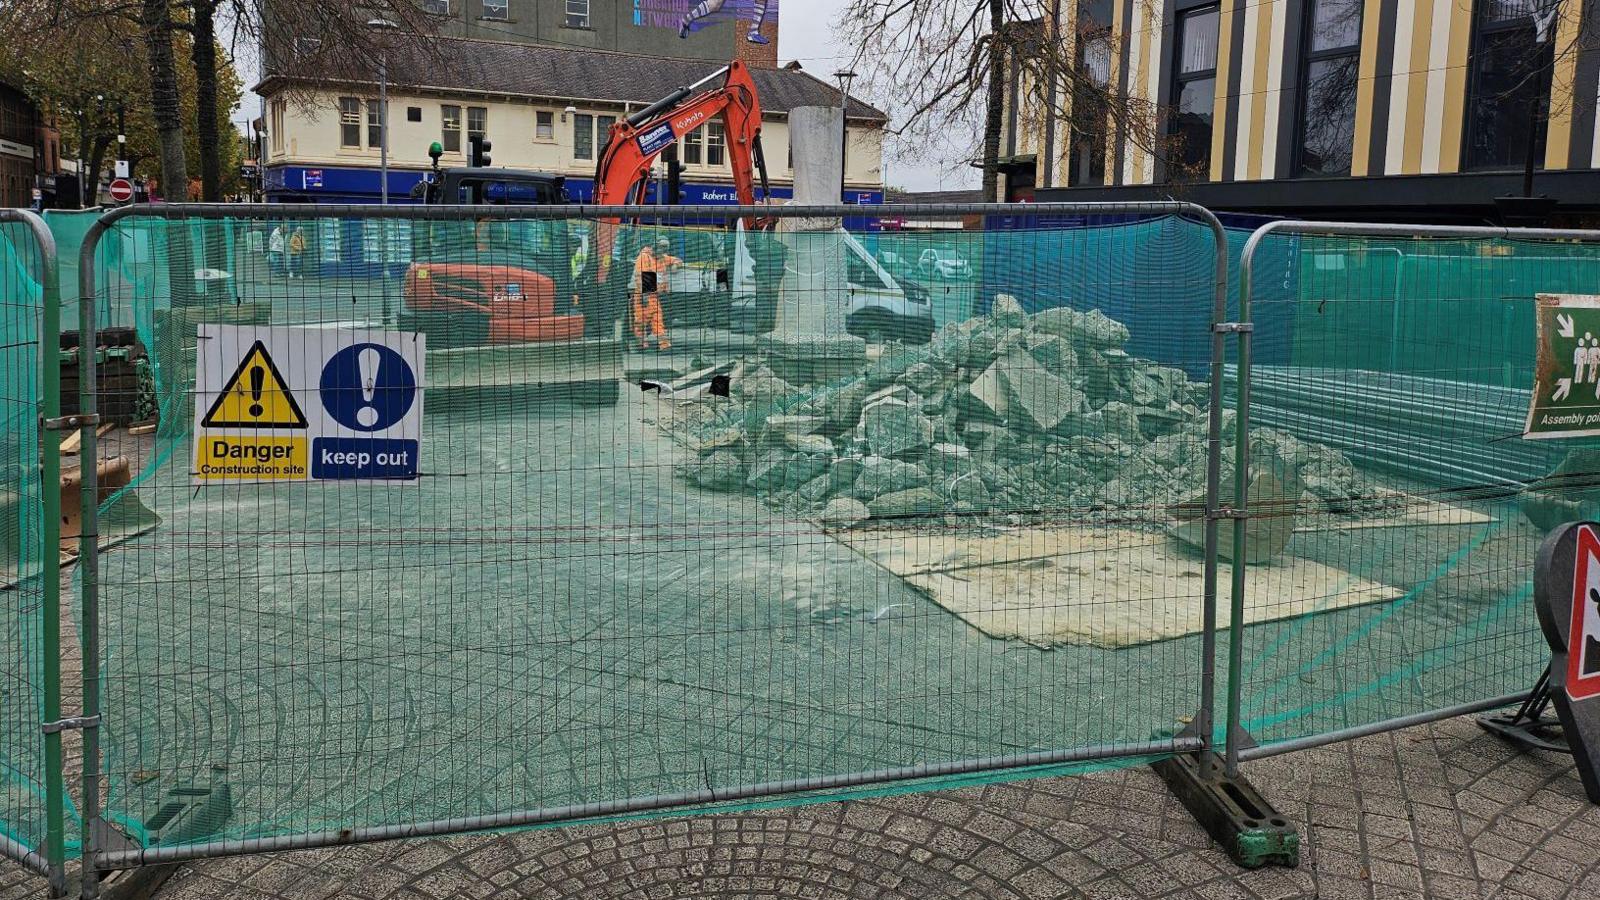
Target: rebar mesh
{"type": "Point", "coordinates": [889, 499]}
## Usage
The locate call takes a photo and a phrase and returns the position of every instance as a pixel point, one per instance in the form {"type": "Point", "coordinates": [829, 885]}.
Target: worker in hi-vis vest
{"type": "Point", "coordinates": [649, 280]}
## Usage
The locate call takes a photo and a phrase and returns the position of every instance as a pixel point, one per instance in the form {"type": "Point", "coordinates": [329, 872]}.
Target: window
{"type": "Point", "coordinates": [694, 144]}
{"type": "Point", "coordinates": [450, 131]}
{"type": "Point", "coordinates": [374, 124]}
{"type": "Point", "coordinates": [349, 122]}
{"type": "Point", "coordinates": [276, 128]}
{"type": "Point", "coordinates": [1509, 87]}
{"type": "Point", "coordinates": [544, 127]}
{"type": "Point", "coordinates": [577, 13]}
{"type": "Point", "coordinates": [585, 128]}
{"type": "Point", "coordinates": [477, 122]}
{"type": "Point", "coordinates": [583, 136]}
{"type": "Point", "coordinates": [413, 114]}
{"type": "Point", "coordinates": [1086, 162]}
{"type": "Point", "coordinates": [1194, 92]}
{"type": "Point", "coordinates": [498, 10]}
{"type": "Point", "coordinates": [436, 7]}
{"type": "Point", "coordinates": [1330, 74]}
{"type": "Point", "coordinates": [716, 144]}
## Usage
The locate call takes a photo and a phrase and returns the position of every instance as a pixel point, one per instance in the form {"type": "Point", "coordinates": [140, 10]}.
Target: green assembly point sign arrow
{"type": "Point", "coordinates": [1566, 381]}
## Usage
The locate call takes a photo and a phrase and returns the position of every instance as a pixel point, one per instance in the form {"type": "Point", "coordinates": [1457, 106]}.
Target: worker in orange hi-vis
{"type": "Point", "coordinates": [649, 280]}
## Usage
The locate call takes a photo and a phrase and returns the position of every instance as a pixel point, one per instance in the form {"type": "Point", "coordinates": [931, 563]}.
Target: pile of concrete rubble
{"type": "Point", "coordinates": [1008, 415]}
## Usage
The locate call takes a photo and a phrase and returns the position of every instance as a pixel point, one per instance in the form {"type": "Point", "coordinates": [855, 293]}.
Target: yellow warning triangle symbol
{"type": "Point", "coordinates": [255, 397]}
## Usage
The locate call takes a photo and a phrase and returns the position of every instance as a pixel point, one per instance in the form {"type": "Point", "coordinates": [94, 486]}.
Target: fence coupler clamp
{"type": "Point", "coordinates": [1227, 512]}
{"type": "Point", "coordinates": [69, 423]}
{"type": "Point", "coordinates": [1234, 327]}
{"type": "Point", "coordinates": [76, 723]}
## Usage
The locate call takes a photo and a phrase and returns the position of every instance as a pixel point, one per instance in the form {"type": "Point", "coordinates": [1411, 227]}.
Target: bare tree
{"type": "Point", "coordinates": [330, 41]}
{"type": "Point", "coordinates": [937, 58]}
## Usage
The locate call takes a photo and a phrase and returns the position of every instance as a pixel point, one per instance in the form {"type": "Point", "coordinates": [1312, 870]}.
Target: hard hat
{"type": "Point", "coordinates": [664, 244]}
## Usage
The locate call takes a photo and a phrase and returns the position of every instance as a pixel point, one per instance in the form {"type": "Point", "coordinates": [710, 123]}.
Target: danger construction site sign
{"type": "Point", "coordinates": [277, 404]}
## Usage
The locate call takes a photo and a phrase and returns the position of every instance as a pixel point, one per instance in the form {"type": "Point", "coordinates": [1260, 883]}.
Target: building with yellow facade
{"type": "Point", "coordinates": [1386, 109]}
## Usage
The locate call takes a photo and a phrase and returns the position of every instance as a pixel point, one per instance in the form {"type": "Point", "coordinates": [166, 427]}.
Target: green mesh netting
{"type": "Point", "coordinates": [595, 594]}
{"type": "Point", "coordinates": [22, 773]}
{"type": "Point", "coordinates": [1414, 358]}
{"type": "Point", "coordinates": [598, 592]}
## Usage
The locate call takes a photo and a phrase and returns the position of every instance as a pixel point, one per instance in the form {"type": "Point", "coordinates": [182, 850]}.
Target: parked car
{"type": "Point", "coordinates": [946, 264]}
{"type": "Point", "coordinates": [887, 307]}
{"type": "Point", "coordinates": [883, 306]}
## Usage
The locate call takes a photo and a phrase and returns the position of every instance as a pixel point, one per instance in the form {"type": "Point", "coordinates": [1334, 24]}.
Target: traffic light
{"type": "Point", "coordinates": [478, 152]}
{"type": "Point", "coordinates": [674, 185]}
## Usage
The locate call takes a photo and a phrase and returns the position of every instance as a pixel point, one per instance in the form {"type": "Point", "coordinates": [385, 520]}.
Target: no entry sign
{"type": "Point", "coordinates": [122, 190]}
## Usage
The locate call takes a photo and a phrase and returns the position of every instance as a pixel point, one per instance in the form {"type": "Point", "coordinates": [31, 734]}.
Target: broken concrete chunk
{"type": "Point", "coordinates": [722, 437]}
{"type": "Point", "coordinates": [971, 490]}
{"type": "Point", "coordinates": [989, 390]}
{"type": "Point", "coordinates": [1008, 312]}
{"type": "Point", "coordinates": [839, 407]}
{"type": "Point", "coordinates": [803, 468]}
{"type": "Point", "coordinates": [770, 472]}
{"type": "Point", "coordinates": [1273, 508]}
{"type": "Point", "coordinates": [912, 503]}
{"type": "Point", "coordinates": [1052, 352]}
{"type": "Point", "coordinates": [1037, 396]}
{"type": "Point", "coordinates": [923, 378]}
{"type": "Point", "coordinates": [814, 358]}
{"type": "Point", "coordinates": [1103, 332]}
{"type": "Point", "coordinates": [1119, 420]}
{"type": "Point", "coordinates": [794, 425]}
{"type": "Point", "coordinates": [1062, 321]}
{"type": "Point", "coordinates": [897, 393]}
{"type": "Point", "coordinates": [843, 512]}
{"type": "Point", "coordinates": [763, 387]}
{"type": "Point", "coordinates": [883, 476]}
{"type": "Point", "coordinates": [809, 443]}
{"type": "Point", "coordinates": [720, 471]}
{"type": "Point", "coordinates": [894, 428]}
{"type": "Point", "coordinates": [817, 489]}
{"type": "Point", "coordinates": [986, 438]}
{"type": "Point", "coordinates": [950, 458]}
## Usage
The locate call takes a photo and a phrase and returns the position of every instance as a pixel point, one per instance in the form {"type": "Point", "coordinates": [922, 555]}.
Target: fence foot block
{"type": "Point", "coordinates": [1231, 811]}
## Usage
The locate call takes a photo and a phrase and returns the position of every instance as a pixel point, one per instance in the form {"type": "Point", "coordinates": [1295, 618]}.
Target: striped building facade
{"type": "Point", "coordinates": [1325, 102]}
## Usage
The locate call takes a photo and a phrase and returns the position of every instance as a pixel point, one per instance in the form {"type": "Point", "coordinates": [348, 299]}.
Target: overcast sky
{"type": "Point", "coordinates": [807, 33]}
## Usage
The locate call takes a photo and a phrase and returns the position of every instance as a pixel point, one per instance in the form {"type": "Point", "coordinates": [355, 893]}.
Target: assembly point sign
{"type": "Point", "coordinates": [306, 404]}
{"type": "Point", "coordinates": [1566, 385]}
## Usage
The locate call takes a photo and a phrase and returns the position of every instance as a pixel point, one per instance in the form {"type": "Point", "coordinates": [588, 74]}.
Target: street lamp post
{"type": "Point", "coordinates": [383, 108]}
{"type": "Point", "coordinates": [1528, 209]}
{"type": "Point", "coordinates": [845, 76]}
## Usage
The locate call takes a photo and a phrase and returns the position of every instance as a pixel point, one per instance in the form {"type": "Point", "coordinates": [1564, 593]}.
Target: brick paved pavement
{"type": "Point", "coordinates": [1438, 811]}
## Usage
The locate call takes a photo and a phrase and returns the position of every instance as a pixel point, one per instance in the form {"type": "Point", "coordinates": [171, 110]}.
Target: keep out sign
{"type": "Point", "coordinates": [307, 404]}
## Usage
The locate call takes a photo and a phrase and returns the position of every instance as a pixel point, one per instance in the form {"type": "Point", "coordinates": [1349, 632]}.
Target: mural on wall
{"type": "Point", "coordinates": [689, 16]}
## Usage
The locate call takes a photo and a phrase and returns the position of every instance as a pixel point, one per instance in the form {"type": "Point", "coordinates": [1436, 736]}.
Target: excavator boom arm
{"type": "Point", "coordinates": [636, 141]}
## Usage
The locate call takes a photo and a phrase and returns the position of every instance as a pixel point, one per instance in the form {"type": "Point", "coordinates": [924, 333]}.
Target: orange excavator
{"type": "Point", "coordinates": [622, 174]}
{"type": "Point", "coordinates": [486, 316]}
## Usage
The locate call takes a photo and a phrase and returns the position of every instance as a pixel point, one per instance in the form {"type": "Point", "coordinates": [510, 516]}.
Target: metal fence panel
{"type": "Point", "coordinates": [893, 504]}
{"type": "Point", "coordinates": [32, 828]}
{"type": "Point", "coordinates": [1410, 351]}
